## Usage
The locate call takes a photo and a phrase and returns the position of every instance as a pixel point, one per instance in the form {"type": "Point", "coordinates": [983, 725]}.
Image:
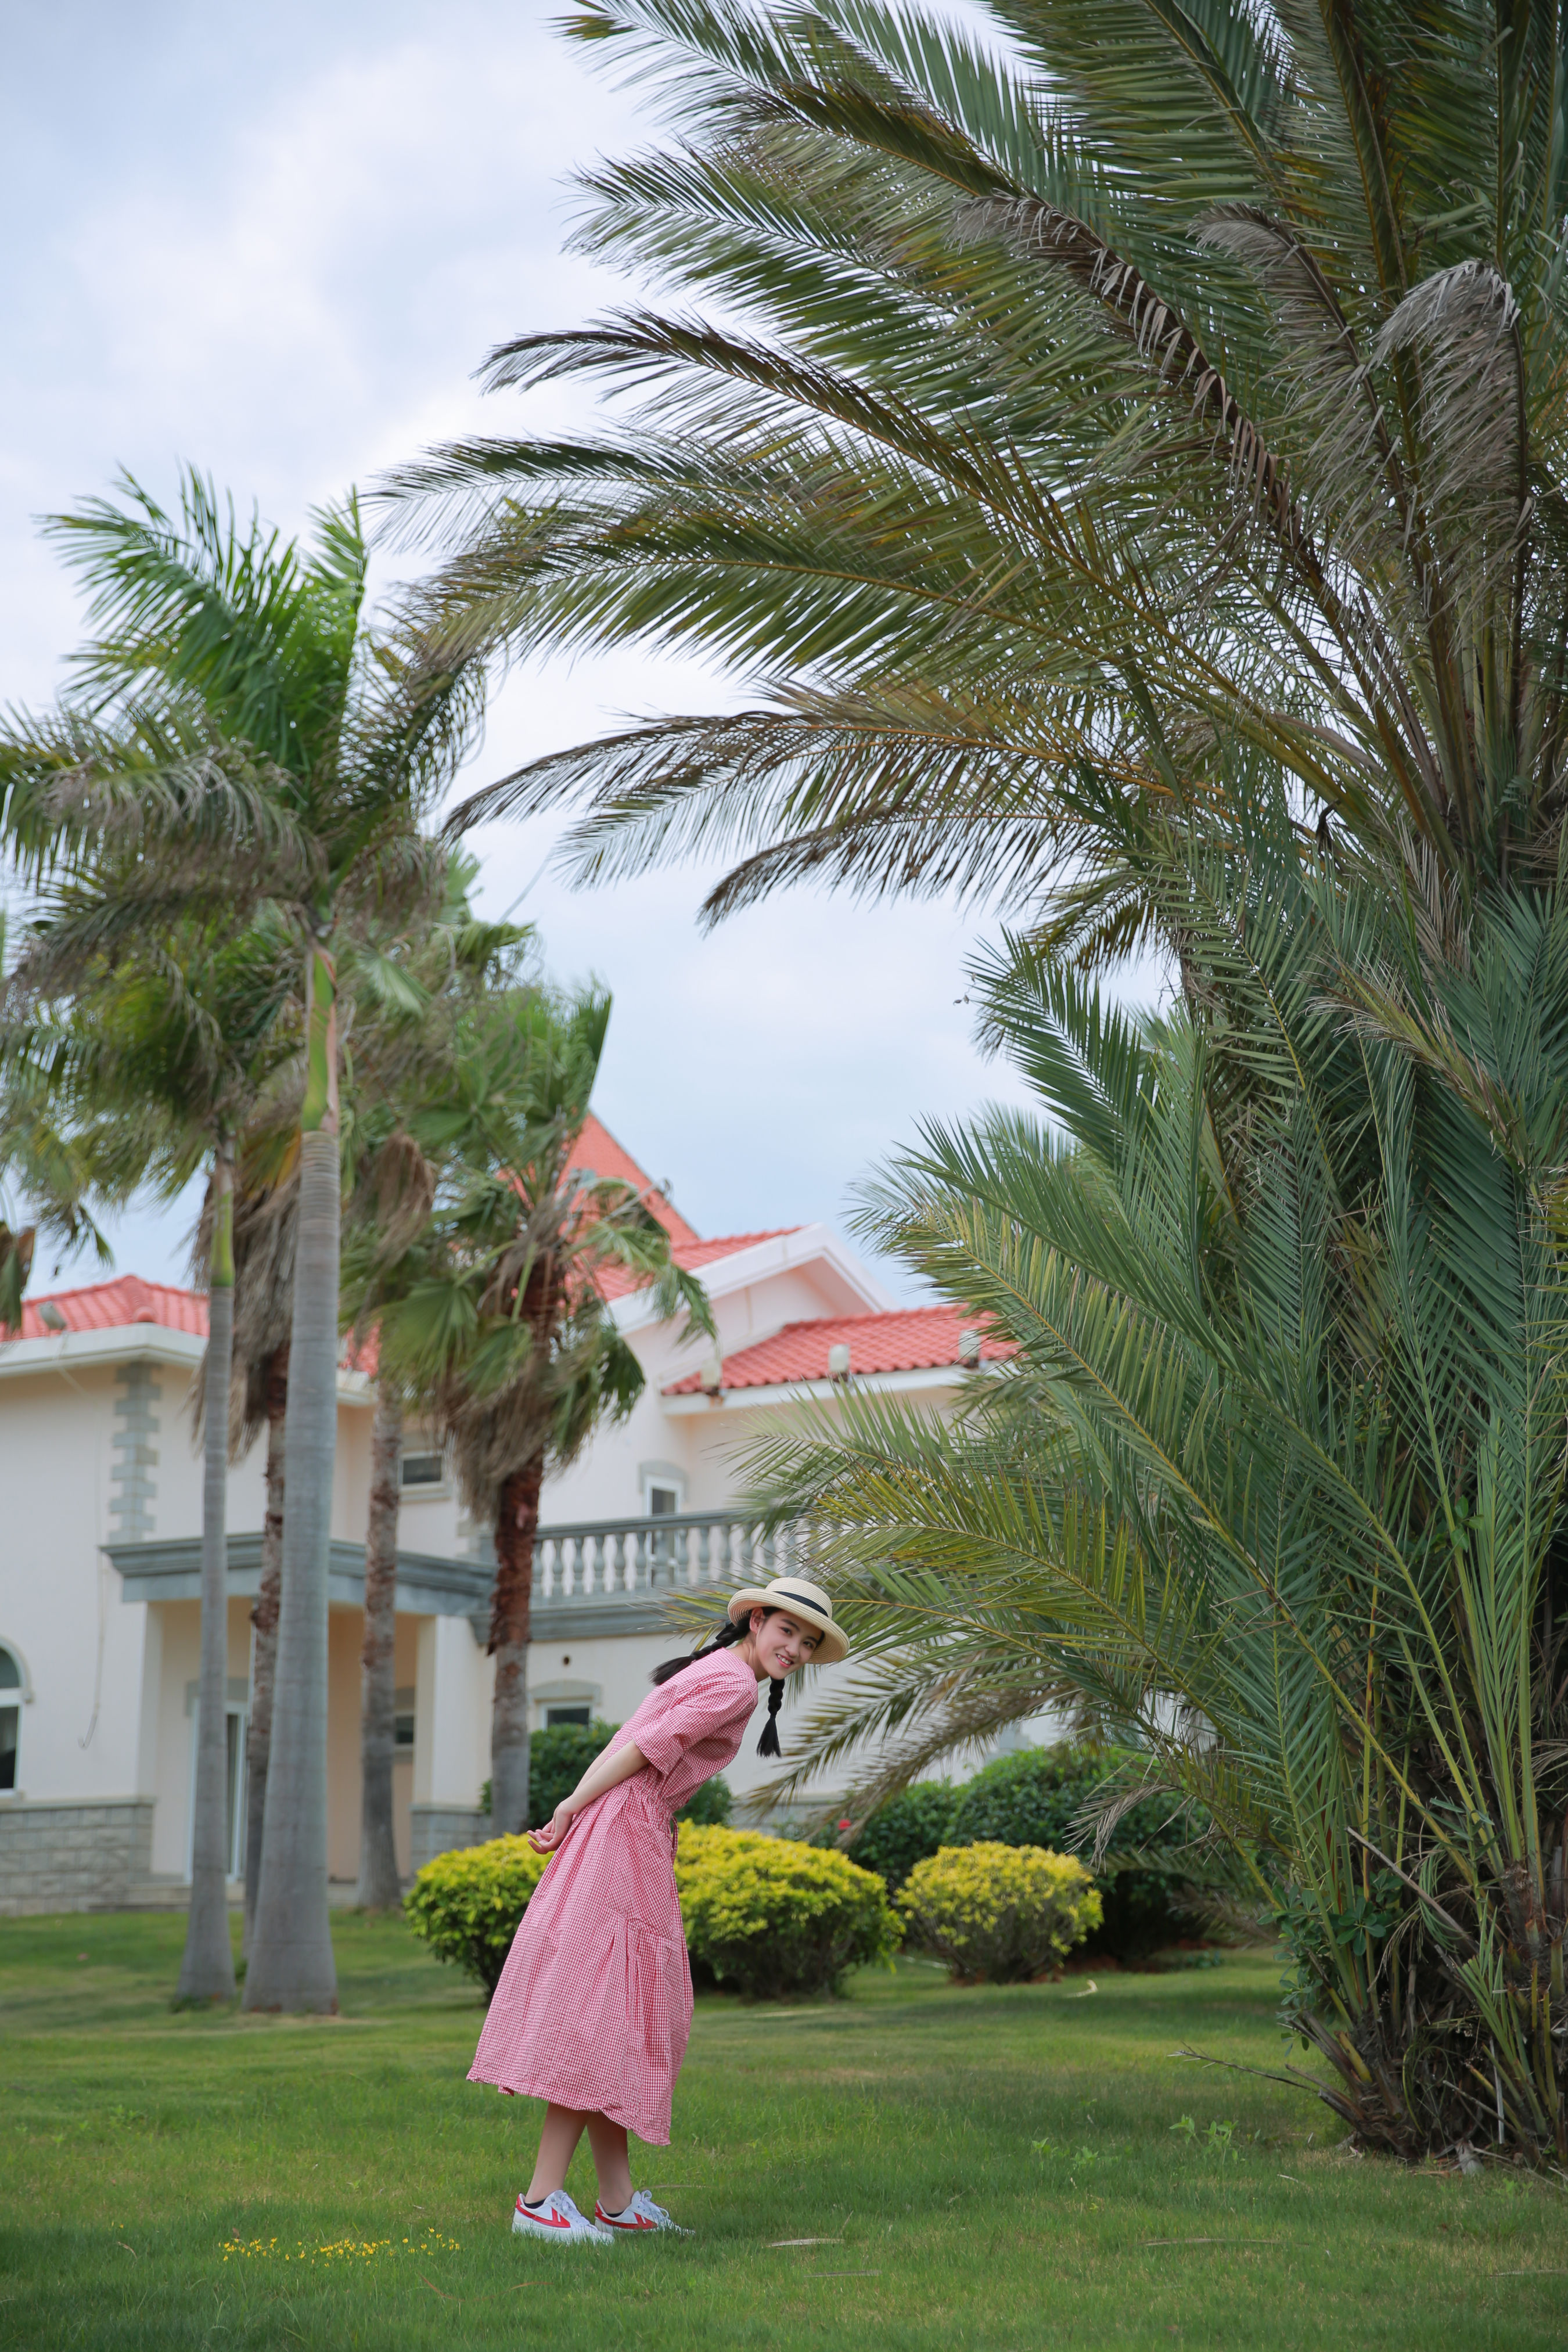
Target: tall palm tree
{"type": "Point", "coordinates": [379, 1886]}
{"type": "Point", "coordinates": [1040, 402]}
{"type": "Point", "coordinates": [240, 724]}
{"type": "Point", "coordinates": [158, 1056]}
{"type": "Point", "coordinates": [265, 1208]}
{"type": "Point", "coordinates": [496, 1315]}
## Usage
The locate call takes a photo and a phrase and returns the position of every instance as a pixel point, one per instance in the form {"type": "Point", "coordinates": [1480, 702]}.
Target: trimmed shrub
{"type": "Point", "coordinates": [998, 1913]}
{"type": "Point", "coordinates": [466, 1905]}
{"type": "Point", "coordinates": [1034, 1799]}
{"type": "Point", "coordinates": [559, 1756]}
{"type": "Point", "coordinates": [766, 1917]}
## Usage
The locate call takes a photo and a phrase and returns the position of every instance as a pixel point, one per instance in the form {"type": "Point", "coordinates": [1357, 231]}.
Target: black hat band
{"type": "Point", "coordinates": [782, 1593]}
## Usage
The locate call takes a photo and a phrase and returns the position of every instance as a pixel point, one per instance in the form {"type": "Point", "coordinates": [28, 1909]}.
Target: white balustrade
{"type": "Point", "coordinates": [617, 1560]}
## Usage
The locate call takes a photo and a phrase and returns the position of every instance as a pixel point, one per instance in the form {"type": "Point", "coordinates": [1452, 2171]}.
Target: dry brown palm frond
{"type": "Point", "coordinates": [1463, 326]}
{"type": "Point", "coordinates": [1164, 339]}
{"type": "Point", "coordinates": [265, 1233]}
{"type": "Point", "coordinates": [398, 1187]}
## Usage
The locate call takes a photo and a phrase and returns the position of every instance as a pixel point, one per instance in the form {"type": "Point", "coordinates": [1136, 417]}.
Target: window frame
{"type": "Point", "coordinates": [235, 1711]}
{"type": "Point", "coordinates": [14, 1698]}
{"type": "Point", "coordinates": [421, 1445]}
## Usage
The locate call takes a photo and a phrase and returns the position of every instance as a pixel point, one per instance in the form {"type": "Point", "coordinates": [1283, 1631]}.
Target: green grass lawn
{"type": "Point", "coordinates": [177, 2179]}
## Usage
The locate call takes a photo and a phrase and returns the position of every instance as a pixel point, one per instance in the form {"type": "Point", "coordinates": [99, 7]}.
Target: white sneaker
{"type": "Point", "coordinates": [642, 2213]}
{"type": "Point", "coordinates": [559, 2218]}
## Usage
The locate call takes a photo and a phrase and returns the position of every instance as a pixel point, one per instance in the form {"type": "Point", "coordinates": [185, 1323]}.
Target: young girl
{"type": "Point", "coordinates": [594, 2007]}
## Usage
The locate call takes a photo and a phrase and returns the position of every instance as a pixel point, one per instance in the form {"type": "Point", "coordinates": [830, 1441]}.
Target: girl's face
{"type": "Point", "coordinates": [779, 1644]}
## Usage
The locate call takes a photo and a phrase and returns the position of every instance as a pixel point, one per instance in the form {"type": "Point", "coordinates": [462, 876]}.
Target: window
{"type": "Point", "coordinates": [10, 1719]}
{"type": "Point", "coordinates": [236, 1717]}
{"type": "Point", "coordinates": [235, 1722]}
{"type": "Point", "coordinates": [663, 1502]}
{"type": "Point", "coordinates": [403, 1721]}
{"type": "Point", "coordinates": [663, 1488]}
{"type": "Point", "coordinates": [554, 1715]}
{"type": "Point", "coordinates": [423, 1467]}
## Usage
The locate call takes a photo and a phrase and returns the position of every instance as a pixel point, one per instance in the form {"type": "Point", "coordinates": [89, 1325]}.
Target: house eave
{"type": "Point", "coordinates": [121, 1343]}
{"type": "Point", "coordinates": [928, 1379]}
{"type": "Point", "coordinates": [67, 1353]}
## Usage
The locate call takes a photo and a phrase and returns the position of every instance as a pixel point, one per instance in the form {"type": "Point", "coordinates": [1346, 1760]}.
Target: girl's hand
{"type": "Point", "coordinates": [605, 1772]}
{"type": "Point", "coordinates": [546, 1840]}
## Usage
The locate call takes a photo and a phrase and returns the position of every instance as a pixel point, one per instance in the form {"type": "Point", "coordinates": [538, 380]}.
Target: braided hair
{"type": "Point", "coordinates": [725, 1638]}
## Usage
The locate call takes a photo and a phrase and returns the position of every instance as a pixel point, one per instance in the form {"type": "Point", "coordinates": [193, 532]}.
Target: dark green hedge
{"type": "Point", "coordinates": [1033, 1799]}
{"type": "Point", "coordinates": [908, 1829]}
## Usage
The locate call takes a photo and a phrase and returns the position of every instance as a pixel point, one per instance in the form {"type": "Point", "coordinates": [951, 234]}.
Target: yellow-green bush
{"type": "Point", "coordinates": [999, 1912]}
{"type": "Point", "coordinates": [768, 1917]}
{"type": "Point", "coordinates": [466, 1904]}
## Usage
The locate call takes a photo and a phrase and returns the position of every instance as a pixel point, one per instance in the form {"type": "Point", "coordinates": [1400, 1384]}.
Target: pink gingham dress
{"type": "Point", "coordinates": [593, 2006]}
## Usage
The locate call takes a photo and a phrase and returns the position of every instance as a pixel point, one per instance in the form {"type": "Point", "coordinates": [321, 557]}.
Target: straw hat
{"type": "Point", "coordinates": [807, 1603]}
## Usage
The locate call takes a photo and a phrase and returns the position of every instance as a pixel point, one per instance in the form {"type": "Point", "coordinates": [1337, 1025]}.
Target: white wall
{"type": "Point", "coordinates": [59, 1603]}
{"type": "Point", "coordinates": [453, 1686]}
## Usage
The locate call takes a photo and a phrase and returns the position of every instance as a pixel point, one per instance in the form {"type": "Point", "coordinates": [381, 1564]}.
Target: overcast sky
{"type": "Point", "coordinates": [275, 242]}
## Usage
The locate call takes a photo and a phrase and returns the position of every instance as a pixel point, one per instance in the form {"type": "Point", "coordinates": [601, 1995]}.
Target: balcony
{"type": "Point", "coordinates": [602, 1576]}
{"type": "Point", "coordinates": [592, 1577]}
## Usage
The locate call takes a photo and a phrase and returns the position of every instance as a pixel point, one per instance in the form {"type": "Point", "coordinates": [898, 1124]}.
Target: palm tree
{"type": "Point", "coordinates": [160, 1054]}
{"type": "Point", "coordinates": [414, 994]}
{"type": "Point", "coordinates": [265, 1199]}
{"type": "Point", "coordinates": [379, 1886]}
{"type": "Point", "coordinates": [266, 1207]}
{"type": "Point", "coordinates": [1275, 1483]}
{"type": "Point", "coordinates": [496, 1315]}
{"type": "Point", "coordinates": [238, 724]}
{"type": "Point", "coordinates": [1078, 393]}
{"type": "Point", "coordinates": [1126, 437]}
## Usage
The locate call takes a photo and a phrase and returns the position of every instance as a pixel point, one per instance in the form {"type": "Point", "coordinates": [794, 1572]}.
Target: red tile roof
{"type": "Point", "coordinates": [121, 1305]}
{"type": "Point", "coordinates": [597, 1149]}
{"type": "Point", "coordinates": [693, 1255]}
{"type": "Point", "coordinates": [113, 1306]}
{"type": "Point", "coordinates": [915, 1338]}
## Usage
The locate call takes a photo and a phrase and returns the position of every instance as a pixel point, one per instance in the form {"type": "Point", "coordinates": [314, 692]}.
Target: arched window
{"type": "Point", "coordinates": [11, 1688]}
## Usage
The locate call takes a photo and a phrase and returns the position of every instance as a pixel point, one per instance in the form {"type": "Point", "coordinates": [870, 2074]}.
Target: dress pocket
{"type": "Point", "coordinates": [659, 2014]}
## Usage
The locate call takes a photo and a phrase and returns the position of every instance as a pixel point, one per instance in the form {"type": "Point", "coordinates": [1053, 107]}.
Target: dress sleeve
{"type": "Point", "coordinates": [700, 1703]}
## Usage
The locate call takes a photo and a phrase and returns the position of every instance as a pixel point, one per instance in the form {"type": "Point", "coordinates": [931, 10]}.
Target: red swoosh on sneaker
{"type": "Point", "coordinates": [600, 2215]}
{"type": "Point", "coordinates": [549, 2220]}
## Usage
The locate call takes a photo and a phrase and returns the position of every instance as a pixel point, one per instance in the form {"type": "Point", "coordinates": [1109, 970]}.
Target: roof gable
{"type": "Point", "coordinates": [112, 1307]}
{"type": "Point", "coordinates": [598, 1151]}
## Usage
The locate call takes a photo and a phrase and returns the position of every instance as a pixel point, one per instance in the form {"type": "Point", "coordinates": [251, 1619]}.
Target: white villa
{"type": "Point", "coordinates": [99, 1554]}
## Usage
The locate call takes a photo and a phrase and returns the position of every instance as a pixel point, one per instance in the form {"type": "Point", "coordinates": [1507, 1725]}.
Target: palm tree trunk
{"type": "Point", "coordinates": [291, 1964]}
{"type": "Point", "coordinates": [264, 1637]}
{"type": "Point", "coordinates": [517, 1524]}
{"type": "Point", "coordinates": [206, 1971]}
{"type": "Point", "coordinates": [378, 1884]}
